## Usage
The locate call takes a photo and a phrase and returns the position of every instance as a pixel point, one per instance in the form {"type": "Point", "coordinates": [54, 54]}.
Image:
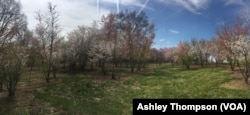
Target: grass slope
{"type": "Point", "coordinates": [81, 94]}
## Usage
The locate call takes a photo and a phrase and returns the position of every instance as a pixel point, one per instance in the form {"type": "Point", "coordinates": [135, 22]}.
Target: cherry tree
{"type": "Point", "coordinates": [242, 46]}
{"type": "Point", "coordinates": [171, 54]}
{"type": "Point", "coordinates": [217, 51]}
{"type": "Point", "coordinates": [76, 50]}
{"type": "Point", "coordinates": [101, 52]}
{"type": "Point", "coordinates": [200, 50]}
{"type": "Point", "coordinates": [225, 34]}
{"type": "Point", "coordinates": [236, 40]}
{"type": "Point", "coordinates": [185, 54]}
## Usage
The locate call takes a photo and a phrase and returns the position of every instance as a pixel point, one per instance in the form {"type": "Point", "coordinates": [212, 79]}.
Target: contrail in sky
{"type": "Point", "coordinates": [144, 5]}
{"type": "Point", "coordinates": [117, 6]}
{"type": "Point", "coordinates": [98, 8]}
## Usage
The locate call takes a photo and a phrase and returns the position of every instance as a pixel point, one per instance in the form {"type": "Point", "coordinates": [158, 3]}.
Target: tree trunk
{"type": "Point", "coordinates": [232, 67]}
{"type": "Point", "coordinates": [202, 63]}
{"type": "Point", "coordinates": [132, 67]}
{"type": "Point", "coordinates": [91, 66]}
{"type": "Point", "coordinates": [216, 63]}
{"type": "Point", "coordinates": [113, 71]}
{"type": "Point", "coordinates": [1, 85]}
{"type": "Point", "coordinates": [246, 80]}
{"type": "Point", "coordinates": [83, 66]}
{"type": "Point", "coordinates": [10, 87]}
{"type": "Point", "coordinates": [103, 68]}
{"type": "Point", "coordinates": [64, 65]}
{"type": "Point", "coordinates": [187, 66]}
{"type": "Point", "coordinates": [132, 70]}
{"type": "Point", "coordinates": [231, 63]}
{"type": "Point", "coordinates": [54, 70]}
{"type": "Point", "coordinates": [11, 93]}
{"type": "Point", "coordinates": [246, 69]}
{"type": "Point", "coordinates": [47, 79]}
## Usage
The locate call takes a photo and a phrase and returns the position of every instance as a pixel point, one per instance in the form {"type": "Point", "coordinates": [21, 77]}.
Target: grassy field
{"type": "Point", "coordinates": [92, 94]}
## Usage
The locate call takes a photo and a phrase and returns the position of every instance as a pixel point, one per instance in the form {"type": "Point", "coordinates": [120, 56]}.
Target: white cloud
{"type": "Point", "coordinates": [244, 11]}
{"type": "Point", "coordinates": [72, 12]}
{"type": "Point", "coordinates": [174, 31]}
{"type": "Point", "coordinates": [161, 40]}
{"type": "Point", "coordinates": [75, 12]}
{"type": "Point", "coordinates": [234, 2]}
{"type": "Point", "coordinates": [194, 6]}
{"type": "Point", "coordinates": [221, 22]}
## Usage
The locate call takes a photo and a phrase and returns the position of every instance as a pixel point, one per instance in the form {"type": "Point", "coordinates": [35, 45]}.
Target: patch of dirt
{"type": "Point", "coordinates": [235, 84]}
{"type": "Point", "coordinates": [147, 71]}
{"type": "Point", "coordinates": [238, 83]}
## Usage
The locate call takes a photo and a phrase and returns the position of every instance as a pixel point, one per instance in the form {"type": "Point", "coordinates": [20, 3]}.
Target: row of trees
{"type": "Point", "coordinates": [196, 51]}
{"type": "Point", "coordinates": [232, 45]}
{"type": "Point", "coordinates": [117, 39]}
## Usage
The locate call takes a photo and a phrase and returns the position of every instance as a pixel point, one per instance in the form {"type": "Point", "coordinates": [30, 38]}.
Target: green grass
{"type": "Point", "coordinates": [81, 94]}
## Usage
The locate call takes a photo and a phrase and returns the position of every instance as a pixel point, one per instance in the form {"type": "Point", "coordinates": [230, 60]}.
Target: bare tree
{"type": "Point", "coordinates": [14, 61]}
{"type": "Point", "coordinates": [9, 16]}
{"type": "Point", "coordinates": [145, 39]}
{"type": "Point", "coordinates": [71, 51]}
{"type": "Point", "coordinates": [12, 27]}
{"type": "Point", "coordinates": [110, 31]}
{"type": "Point", "coordinates": [138, 35]}
{"type": "Point", "coordinates": [48, 33]}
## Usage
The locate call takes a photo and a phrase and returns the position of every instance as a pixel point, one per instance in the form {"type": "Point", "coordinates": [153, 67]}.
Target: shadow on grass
{"type": "Point", "coordinates": [7, 103]}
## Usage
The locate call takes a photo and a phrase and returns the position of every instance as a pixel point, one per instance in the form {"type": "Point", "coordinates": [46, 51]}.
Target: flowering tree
{"type": "Point", "coordinates": [225, 34]}
{"type": "Point", "coordinates": [185, 54]}
{"type": "Point", "coordinates": [200, 50]}
{"type": "Point", "coordinates": [236, 40]}
{"type": "Point", "coordinates": [217, 51]}
{"type": "Point", "coordinates": [171, 54]}
{"type": "Point", "coordinates": [242, 46]}
{"type": "Point", "coordinates": [101, 52]}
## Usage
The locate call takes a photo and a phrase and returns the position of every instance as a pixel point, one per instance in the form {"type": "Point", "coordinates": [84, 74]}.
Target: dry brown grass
{"type": "Point", "coordinates": [237, 83]}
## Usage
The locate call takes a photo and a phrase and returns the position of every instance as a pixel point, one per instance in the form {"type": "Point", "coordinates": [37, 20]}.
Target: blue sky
{"type": "Point", "coordinates": [175, 20]}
